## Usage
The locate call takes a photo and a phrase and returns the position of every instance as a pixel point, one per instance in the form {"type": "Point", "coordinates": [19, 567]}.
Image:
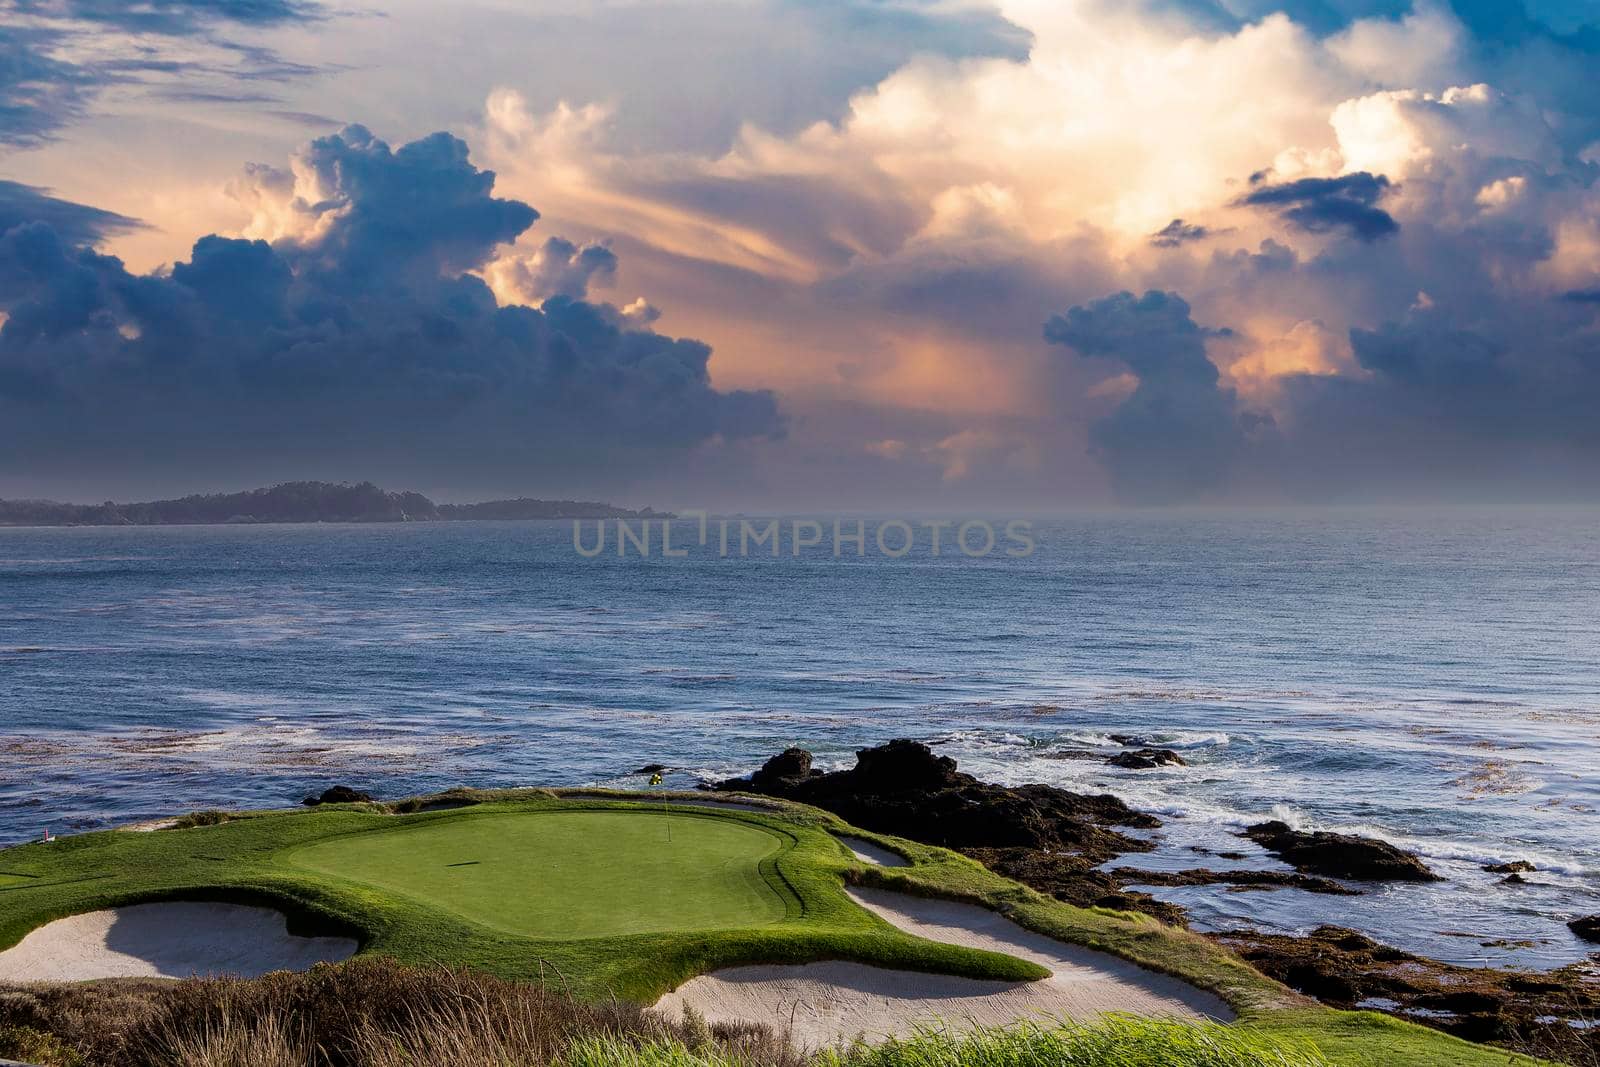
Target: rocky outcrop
{"type": "Point", "coordinates": [1042, 836]}
{"type": "Point", "coordinates": [339, 794]}
{"type": "Point", "coordinates": [1145, 758]}
{"type": "Point", "coordinates": [1075, 880]}
{"type": "Point", "coordinates": [1241, 879]}
{"type": "Point", "coordinates": [1587, 928]}
{"type": "Point", "coordinates": [1339, 855]}
{"type": "Point", "coordinates": [1525, 1010]}
{"type": "Point", "coordinates": [1514, 867]}
{"type": "Point", "coordinates": [904, 788]}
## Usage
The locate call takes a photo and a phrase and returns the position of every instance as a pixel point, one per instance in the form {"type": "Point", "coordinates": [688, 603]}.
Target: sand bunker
{"type": "Point", "coordinates": [877, 855]}
{"type": "Point", "coordinates": [823, 1004]}
{"type": "Point", "coordinates": [172, 940]}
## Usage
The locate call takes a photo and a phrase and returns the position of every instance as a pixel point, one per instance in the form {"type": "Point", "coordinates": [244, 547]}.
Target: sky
{"type": "Point", "coordinates": [804, 254]}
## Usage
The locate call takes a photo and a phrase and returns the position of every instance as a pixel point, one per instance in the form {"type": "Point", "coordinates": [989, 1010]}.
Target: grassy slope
{"type": "Point", "coordinates": [253, 859]}
{"type": "Point", "coordinates": [256, 859]}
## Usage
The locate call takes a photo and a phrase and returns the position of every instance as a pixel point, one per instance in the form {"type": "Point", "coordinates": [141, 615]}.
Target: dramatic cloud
{"type": "Point", "coordinates": [870, 209]}
{"type": "Point", "coordinates": [558, 268]}
{"type": "Point", "coordinates": [74, 223]}
{"type": "Point", "coordinates": [1321, 205]}
{"type": "Point", "coordinates": [1176, 435]}
{"type": "Point", "coordinates": [1178, 232]}
{"type": "Point", "coordinates": [56, 56]}
{"type": "Point", "coordinates": [356, 341]}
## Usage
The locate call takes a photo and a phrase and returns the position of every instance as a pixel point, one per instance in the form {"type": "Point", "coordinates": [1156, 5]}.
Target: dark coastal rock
{"type": "Point", "coordinates": [787, 768]}
{"type": "Point", "coordinates": [1514, 867]}
{"type": "Point", "coordinates": [652, 768]}
{"type": "Point", "coordinates": [1347, 969]}
{"type": "Point", "coordinates": [1045, 837]}
{"type": "Point", "coordinates": [904, 788]}
{"type": "Point", "coordinates": [1587, 928]}
{"type": "Point", "coordinates": [1145, 758]}
{"type": "Point", "coordinates": [339, 794]}
{"type": "Point", "coordinates": [1241, 879]}
{"type": "Point", "coordinates": [1074, 880]}
{"type": "Point", "coordinates": [1339, 855]}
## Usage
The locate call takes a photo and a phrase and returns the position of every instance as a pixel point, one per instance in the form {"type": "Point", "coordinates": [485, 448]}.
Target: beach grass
{"type": "Point", "coordinates": [584, 893]}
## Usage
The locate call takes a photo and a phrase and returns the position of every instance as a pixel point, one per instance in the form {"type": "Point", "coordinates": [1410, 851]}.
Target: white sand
{"type": "Point", "coordinates": [174, 940]}
{"type": "Point", "coordinates": [877, 855]}
{"type": "Point", "coordinates": [822, 1004]}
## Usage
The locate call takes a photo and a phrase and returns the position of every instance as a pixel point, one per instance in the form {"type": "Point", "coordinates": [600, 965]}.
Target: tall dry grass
{"type": "Point", "coordinates": [364, 1013]}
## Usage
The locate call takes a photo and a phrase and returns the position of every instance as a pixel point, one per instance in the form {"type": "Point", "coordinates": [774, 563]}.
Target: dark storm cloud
{"type": "Point", "coordinates": [1505, 20]}
{"type": "Point", "coordinates": [1451, 411]}
{"type": "Point", "coordinates": [1177, 232]}
{"type": "Point", "coordinates": [1324, 205]}
{"type": "Point", "coordinates": [75, 223]}
{"type": "Point", "coordinates": [367, 350]}
{"type": "Point", "coordinates": [170, 16]}
{"type": "Point", "coordinates": [38, 94]}
{"type": "Point", "coordinates": [1177, 434]}
{"type": "Point", "coordinates": [42, 89]}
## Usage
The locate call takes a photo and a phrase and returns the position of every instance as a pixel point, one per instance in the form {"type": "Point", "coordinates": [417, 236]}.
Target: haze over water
{"type": "Point", "coordinates": [1433, 680]}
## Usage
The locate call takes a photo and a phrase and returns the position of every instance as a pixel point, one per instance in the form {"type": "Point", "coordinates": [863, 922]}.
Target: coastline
{"type": "Point", "coordinates": [1064, 845]}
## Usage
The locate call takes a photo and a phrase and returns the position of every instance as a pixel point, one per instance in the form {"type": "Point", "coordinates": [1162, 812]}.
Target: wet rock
{"type": "Point", "coordinates": [1339, 855]}
{"type": "Point", "coordinates": [339, 794]}
{"type": "Point", "coordinates": [1514, 867]}
{"type": "Point", "coordinates": [785, 770]}
{"type": "Point", "coordinates": [652, 768]}
{"type": "Point", "coordinates": [1588, 928]}
{"type": "Point", "coordinates": [1046, 837]}
{"type": "Point", "coordinates": [904, 788]}
{"type": "Point", "coordinates": [1347, 969]}
{"type": "Point", "coordinates": [1513, 879]}
{"type": "Point", "coordinates": [1241, 879]}
{"type": "Point", "coordinates": [1145, 758]}
{"type": "Point", "coordinates": [1074, 880]}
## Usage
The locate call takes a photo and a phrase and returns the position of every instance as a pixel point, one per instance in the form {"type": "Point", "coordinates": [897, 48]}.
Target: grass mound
{"type": "Point", "coordinates": [570, 875]}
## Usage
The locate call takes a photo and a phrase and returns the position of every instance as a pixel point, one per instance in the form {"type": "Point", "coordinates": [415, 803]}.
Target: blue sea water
{"type": "Point", "coordinates": [1431, 679]}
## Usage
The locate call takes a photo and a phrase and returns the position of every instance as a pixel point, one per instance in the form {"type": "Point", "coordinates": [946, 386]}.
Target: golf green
{"type": "Point", "coordinates": [569, 875]}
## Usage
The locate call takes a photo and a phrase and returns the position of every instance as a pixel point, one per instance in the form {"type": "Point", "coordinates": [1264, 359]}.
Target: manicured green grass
{"type": "Point", "coordinates": [571, 875]}
{"type": "Point", "coordinates": [585, 891]}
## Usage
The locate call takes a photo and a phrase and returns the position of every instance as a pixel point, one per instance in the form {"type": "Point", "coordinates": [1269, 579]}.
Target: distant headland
{"type": "Point", "coordinates": [302, 502]}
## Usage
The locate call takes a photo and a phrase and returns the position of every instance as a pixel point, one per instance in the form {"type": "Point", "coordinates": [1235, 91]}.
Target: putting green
{"type": "Point", "coordinates": [569, 875]}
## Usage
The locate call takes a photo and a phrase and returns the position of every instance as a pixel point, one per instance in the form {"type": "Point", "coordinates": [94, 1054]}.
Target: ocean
{"type": "Point", "coordinates": [1430, 679]}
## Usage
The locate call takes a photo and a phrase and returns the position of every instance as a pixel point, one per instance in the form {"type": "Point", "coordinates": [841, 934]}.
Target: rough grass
{"type": "Point", "coordinates": [364, 1013]}
{"type": "Point", "coordinates": [1114, 1041]}
{"type": "Point", "coordinates": [377, 1013]}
